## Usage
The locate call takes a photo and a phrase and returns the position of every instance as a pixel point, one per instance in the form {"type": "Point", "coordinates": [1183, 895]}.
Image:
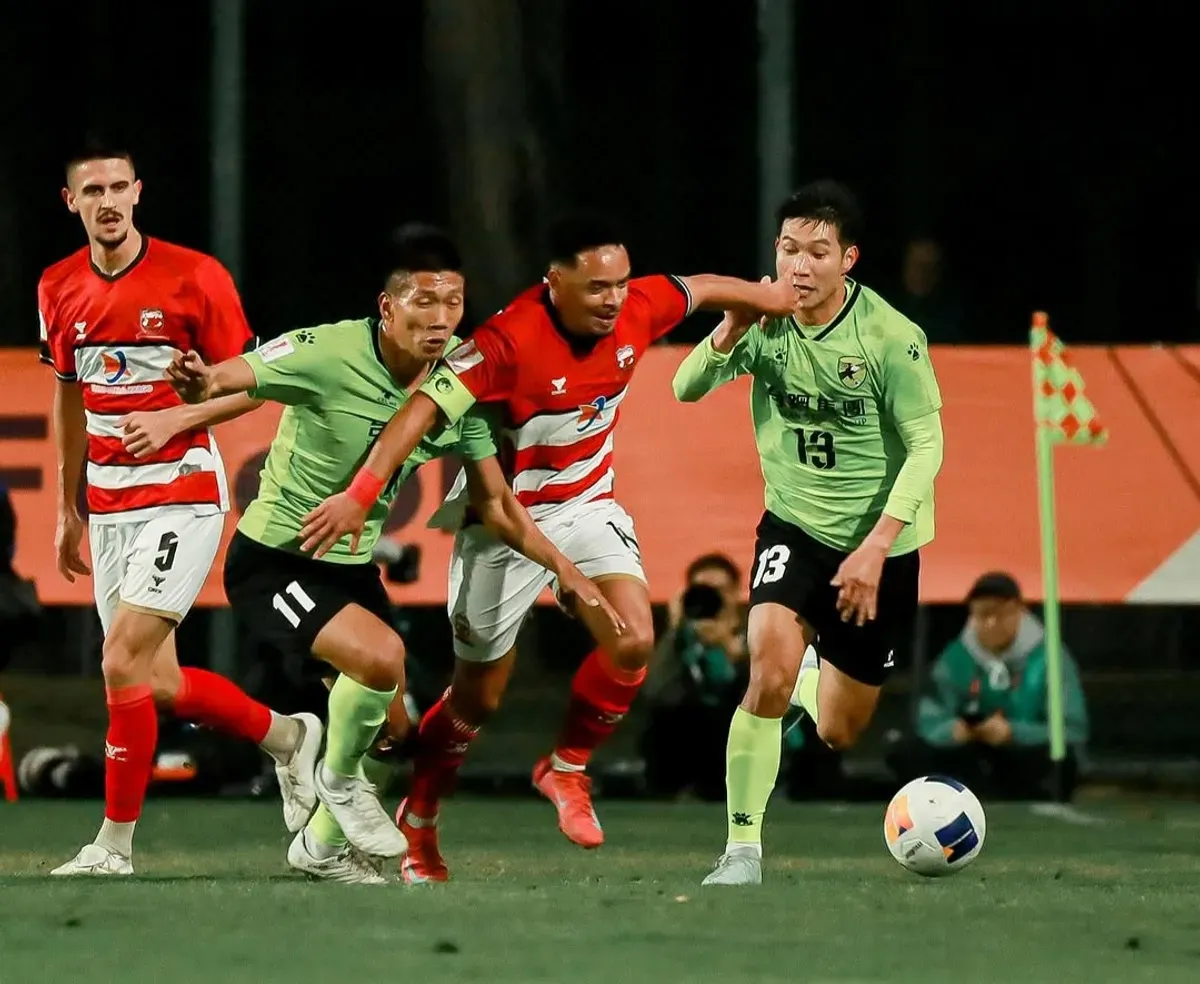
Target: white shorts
{"type": "Point", "coordinates": [156, 566]}
{"type": "Point", "coordinates": [492, 587]}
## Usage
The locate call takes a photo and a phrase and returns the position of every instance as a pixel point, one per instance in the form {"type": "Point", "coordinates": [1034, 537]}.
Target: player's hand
{"type": "Point", "coordinates": [734, 326]}
{"type": "Point", "coordinates": [779, 299]}
{"type": "Point", "coordinates": [857, 581]}
{"type": "Point", "coordinates": [146, 431]}
{"type": "Point", "coordinates": [67, 539]}
{"type": "Point", "coordinates": [995, 730]}
{"type": "Point", "coordinates": [961, 732]}
{"type": "Point", "coordinates": [189, 377]}
{"type": "Point", "coordinates": [574, 588]}
{"type": "Point", "coordinates": [333, 519]}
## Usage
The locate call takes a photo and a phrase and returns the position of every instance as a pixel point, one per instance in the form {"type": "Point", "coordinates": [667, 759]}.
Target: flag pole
{"type": "Point", "coordinates": [1049, 530]}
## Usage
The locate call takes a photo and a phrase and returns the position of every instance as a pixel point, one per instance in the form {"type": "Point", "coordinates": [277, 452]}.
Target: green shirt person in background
{"type": "Point", "coordinates": [984, 718]}
{"type": "Point", "coordinates": [846, 412]}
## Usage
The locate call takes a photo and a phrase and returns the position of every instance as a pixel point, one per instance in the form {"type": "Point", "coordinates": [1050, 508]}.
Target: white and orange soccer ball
{"type": "Point", "coordinates": [934, 826]}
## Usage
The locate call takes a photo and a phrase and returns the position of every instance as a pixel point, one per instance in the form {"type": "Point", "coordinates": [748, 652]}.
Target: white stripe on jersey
{"type": "Point", "coordinates": [533, 479]}
{"type": "Point", "coordinates": [561, 429]}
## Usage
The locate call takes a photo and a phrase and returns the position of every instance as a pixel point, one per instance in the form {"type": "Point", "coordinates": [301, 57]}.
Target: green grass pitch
{"type": "Point", "coordinates": [1047, 901]}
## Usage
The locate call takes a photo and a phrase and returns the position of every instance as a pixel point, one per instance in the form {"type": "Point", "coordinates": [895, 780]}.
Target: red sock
{"type": "Point", "coordinates": [211, 699]}
{"type": "Point", "coordinates": [128, 751]}
{"type": "Point", "coordinates": [601, 695]}
{"type": "Point", "coordinates": [443, 746]}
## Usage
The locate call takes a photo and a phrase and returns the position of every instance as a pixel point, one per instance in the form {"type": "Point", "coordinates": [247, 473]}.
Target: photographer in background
{"type": "Point", "coordinates": [698, 675]}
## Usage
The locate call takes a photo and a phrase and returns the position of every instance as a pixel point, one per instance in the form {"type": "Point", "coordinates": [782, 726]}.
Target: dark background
{"type": "Point", "coordinates": [1047, 145]}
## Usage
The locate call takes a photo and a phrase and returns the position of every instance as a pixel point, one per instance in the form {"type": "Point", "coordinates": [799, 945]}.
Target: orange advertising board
{"type": "Point", "coordinates": [1129, 512]}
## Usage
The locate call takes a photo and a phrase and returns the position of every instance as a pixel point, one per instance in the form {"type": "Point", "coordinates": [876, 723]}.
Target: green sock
{"type": "Point", "coordinates": [805, 693]}
{"type": "Point", "coordinates": [324, 829]}
{"type": "Point", "coordinates": [355, 714]}
{"type": "Point", "coordinates": [378, 772]}
{"type": "Point", "coordinates": [751, 768]}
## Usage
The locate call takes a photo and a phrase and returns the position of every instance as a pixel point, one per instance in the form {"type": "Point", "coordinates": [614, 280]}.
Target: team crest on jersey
{"type": "Point", "coordinates": [625, 356]}
{"type": "Point", "coordinates": [852, 370]}
{"type": "Point", "coordinates": [152, 321]}
{"type": "Point", "coordinates": [589, 413]}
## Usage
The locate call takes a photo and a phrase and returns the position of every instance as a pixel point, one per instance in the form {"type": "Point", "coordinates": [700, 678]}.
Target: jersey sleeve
{"type": "Point", "coordinates": [294, 368]}
{"type": "Point", "coordinates": [53, 347]}
{"type": "Point", "coordinates": [478, 440]}
{"type": "Point", "coordinates": [667, 301]}
{"type": "Point", "coordinates": [909, 387]}
{"type": "Point", "coordinates": [221, 330]}
{"type": "Point", "coordinates": [705, 368]}
{"type": "Point", "coordinates": [482, 369]}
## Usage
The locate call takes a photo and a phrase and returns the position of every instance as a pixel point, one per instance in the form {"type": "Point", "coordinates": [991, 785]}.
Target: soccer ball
{"type": "Point", "coordinates": [934, 826]}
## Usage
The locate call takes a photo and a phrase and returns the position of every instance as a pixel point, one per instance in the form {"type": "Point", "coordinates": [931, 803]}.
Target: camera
{"type": "Point", "coordinates": [702, 601]}
{"type": "Point", "coordinates": [401, 561]}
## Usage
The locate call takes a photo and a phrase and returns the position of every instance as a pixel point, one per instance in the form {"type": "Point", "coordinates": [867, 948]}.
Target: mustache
{"type": "Point", "coordinates": [108, 213]}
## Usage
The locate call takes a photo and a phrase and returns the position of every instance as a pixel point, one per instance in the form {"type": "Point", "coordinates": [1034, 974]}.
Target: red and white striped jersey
{"type": "Point", "coordinates": [561, 394]}
{"type": "Point", "coordinates": [115, 337]}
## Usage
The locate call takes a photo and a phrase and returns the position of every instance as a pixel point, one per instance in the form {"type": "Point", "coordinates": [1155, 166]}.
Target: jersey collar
{"type": "Point", "coordinates": [853, 289]}
{"type": "Point", "coordinates": [110, 278]}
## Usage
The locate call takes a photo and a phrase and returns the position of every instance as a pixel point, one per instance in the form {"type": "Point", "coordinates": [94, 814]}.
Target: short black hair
{"type": "Point", "coordinates": [420, 248]}
{"type": "Point", "coordinates": [581, 230]}
{"type": "Point", "coordinates": [996, 585]}
{"type": "Point", "coordinates": [714, 562]}
{"type": "Point", "coordinates": [825, 201]}
{"type": "Point", "coordinates": [95, 147]}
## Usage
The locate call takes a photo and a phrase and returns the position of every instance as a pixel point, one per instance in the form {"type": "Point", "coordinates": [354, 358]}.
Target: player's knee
{"type": "Point", "coordinates": [839, 731]}
{"type": "Point", "coordinates": [165, 680]}
{"type": "Point", "coordinates": [634, 646]}
{"type": "Point", "coordinates": [379, 662]}
{"type": "Point", "coordinates": [771, 679]}
{"type": "Point", "coordinates": [122, 661]}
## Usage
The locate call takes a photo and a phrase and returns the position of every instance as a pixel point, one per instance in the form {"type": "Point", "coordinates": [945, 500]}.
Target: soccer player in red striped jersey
{"type": "Point", "coordinates": [558, 360]}
{"type": "Point", "coordinates": [112, 316]}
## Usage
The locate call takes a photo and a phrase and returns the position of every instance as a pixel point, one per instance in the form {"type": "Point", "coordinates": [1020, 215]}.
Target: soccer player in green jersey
{"type": "Point", "coordinates": [341, 383]}
{"type": "Point", "coordinates": [846, 416]}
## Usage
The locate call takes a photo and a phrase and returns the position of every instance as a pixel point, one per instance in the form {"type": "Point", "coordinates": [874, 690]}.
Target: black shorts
{"type": "Point", "coordinates": [794, 570]}
{"type": "Point", "coordinates": [284, 600]}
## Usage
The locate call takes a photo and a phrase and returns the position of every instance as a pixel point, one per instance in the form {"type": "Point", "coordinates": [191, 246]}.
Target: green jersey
{"type": "Point", "coordinates": [339, 395]}
{"type": "Point", "coordinates": [827, 403]}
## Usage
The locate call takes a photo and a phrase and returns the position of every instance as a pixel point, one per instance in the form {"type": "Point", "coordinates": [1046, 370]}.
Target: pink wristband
{"type": "Point", "coordinates": [365, 488]}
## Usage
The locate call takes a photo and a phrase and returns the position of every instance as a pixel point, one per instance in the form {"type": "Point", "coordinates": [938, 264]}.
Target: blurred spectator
{"type": "Point", "coordinates": [698, 675]}
{"type": "Point", "coordinates": [20, 613]}
{"type": "Point", "coordinates": [924, 296]}
{"type": "Point", "coordinates": [985, 722]}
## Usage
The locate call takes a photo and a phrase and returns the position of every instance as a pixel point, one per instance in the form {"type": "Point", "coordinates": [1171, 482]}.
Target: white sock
{"type": "Point", "coordinates": [318, 849]}
{"type": "Point", "coordinates": [558, 765]}
{"type": "Point", "coordinates": [752, 850]}
{"type": "Point", "coordinates": [116, 837]}
{"type": "Point", "coordinates": [284, 737]}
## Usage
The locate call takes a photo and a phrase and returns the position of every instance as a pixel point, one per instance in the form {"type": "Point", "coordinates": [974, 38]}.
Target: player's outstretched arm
{"type": "Point", "coordinates": [146, 431]}
{"type": "Point", "coordinates": [345, 513]}
{"type": "Point", "coordinates": [723, 356]}
{"type": "Point", "coordinates": [710, 292]}
{"type": "Point", "coordinates": [500, 511]}
{"type": "Point", "coordinates": [196, 382]}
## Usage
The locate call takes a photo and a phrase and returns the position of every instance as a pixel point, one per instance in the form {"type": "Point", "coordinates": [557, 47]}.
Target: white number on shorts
{"type": "Point", "coordinates": [301, 598]}
{"type": "Point", "coordinates": [772, 563]}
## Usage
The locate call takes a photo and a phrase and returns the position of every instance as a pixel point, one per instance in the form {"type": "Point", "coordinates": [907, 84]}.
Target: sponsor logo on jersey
{"type": "Point", "coordinates": [276, 349]}
{"type": "Point", "coordinates": [589, 413]}
{"type": "Point", "coordinates": [115, 366]}
{"type": "Point", "coordinates": [465, 357]}
{"type": "Point", "coordinates": [152, 321]}
{"type": "Point", "coordinates": [625, 356]}
{"type": "Point", "coordinates": [80, 328]}
{"type": "Point", "coordinates": [852, 370]}
{"type": "Point", "coordinates": [558, 386]}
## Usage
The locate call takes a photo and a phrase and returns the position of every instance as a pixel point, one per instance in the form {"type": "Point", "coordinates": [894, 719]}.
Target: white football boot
{"type": "Point", "coordinates": [95, 860]}
{"type": "Point", "coordinates": [297, 785]}
{"type": "Point", "coordinates": [347, 867]}
{"type": "Point", "coordinates": [355, 805]}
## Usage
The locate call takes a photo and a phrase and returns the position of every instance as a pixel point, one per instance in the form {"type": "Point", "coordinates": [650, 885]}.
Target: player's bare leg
{"type": "Point", "coordinates": [130, 646]}
{"type": "Point", "coordinates": [778, 639]}
{"type": "Point", "coordinates": [370, 659]}
{"type": "Point", "coordinates": [293, 742]}
{"type": "Point", "coordinates": [446, 732]}
{"type": "Point", "coordinates": [840, 706]}
{"type": "Point", "coordinates": [601, 694]}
